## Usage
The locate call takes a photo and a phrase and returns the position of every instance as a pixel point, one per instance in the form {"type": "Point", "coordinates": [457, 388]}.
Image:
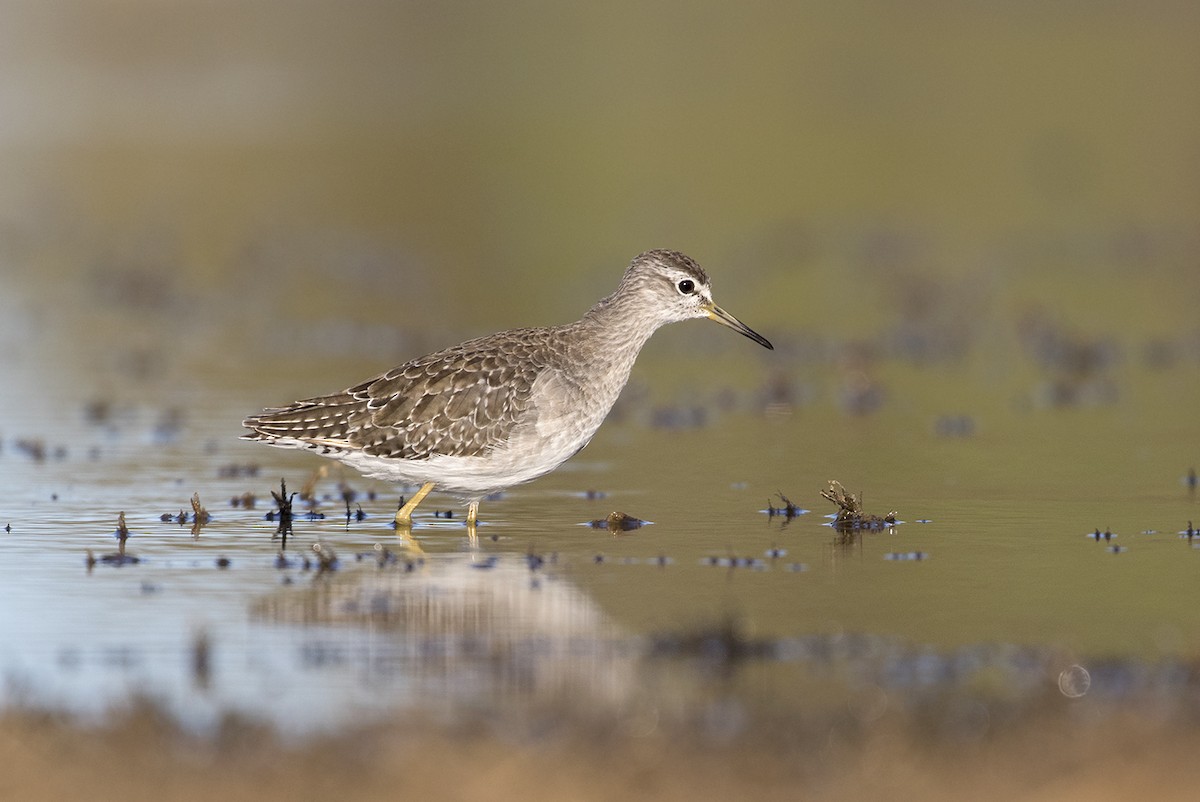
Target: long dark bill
{"type": "Point", "coordinates": [725, 319]}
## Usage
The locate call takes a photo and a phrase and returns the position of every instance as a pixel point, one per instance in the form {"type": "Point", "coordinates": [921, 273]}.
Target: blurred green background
{"type": "Point", "coordinates": [382, 178]}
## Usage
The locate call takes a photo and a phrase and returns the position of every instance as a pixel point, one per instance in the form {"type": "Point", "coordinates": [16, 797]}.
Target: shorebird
{"type": "Point", "coordinates": [499, 410]}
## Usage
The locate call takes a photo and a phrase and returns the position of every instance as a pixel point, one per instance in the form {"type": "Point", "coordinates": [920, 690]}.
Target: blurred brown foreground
{"type": "Point", "coordinates": [140, 755]}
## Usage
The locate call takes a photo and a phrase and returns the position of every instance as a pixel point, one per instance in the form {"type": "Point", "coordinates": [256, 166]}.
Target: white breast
{"type": "Point", "coordinates": [563, 420]}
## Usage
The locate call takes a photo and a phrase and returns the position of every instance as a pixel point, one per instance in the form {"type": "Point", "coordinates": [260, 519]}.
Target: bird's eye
{"type": "Point", "coordinates": [686, 286]}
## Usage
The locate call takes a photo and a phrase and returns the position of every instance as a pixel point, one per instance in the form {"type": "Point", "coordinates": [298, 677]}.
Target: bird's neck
{"type": "Point", "coordinates": [619, 326]}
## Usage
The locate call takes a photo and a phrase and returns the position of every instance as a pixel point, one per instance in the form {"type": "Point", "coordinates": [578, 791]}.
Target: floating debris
{"type": "Point", "coordinates": [731, 562]}
{"type": "Point", "coordinates": [1097, 535]}
{"type": "Point", "coordinates": [8, 527]}
{"type": "Point", "coordinates": [775, 552]}
{"type": "Point", "coordinates": [223, 562]}
{"type": "Point", "coordinates": [486, 563]}
{"type": "Point", "coordinates": [907, 556]}
{"type": "Point", "coordinates": [117, 558]}
{"type": "Point", "coordinates": [1115, 549]}
{"type": "Point", "coordinates": [618, 522]}
{"type": "Point", "coordinates": [246, 501]}
{"type": "Point", "coordinates": [1190, 533]}
{"type": "Point", "coordinates": [788, 510]}
{"type": "Point", "coordinates": [850, 515]}
{"type": "Point", "coordinates": [662, 561]}
{"type": "Point", "coordinates": [1191, 480]}
{"type": "Point", "coordinates": [595, 495]}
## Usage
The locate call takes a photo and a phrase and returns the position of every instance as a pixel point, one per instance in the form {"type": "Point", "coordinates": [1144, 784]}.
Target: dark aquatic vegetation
{"type": "Point", "coordinates": [200, 515]}
{"type": "Point", "coordinates": [122, 530]}
{"type": "Point", "coordinates": [850, 516]}
{"type": "Point", "coordinates": [283, 503]}
{"type": "Point", "coordinates": [788, 510]}
{"type": "Point", "coordinates": [357, 515]}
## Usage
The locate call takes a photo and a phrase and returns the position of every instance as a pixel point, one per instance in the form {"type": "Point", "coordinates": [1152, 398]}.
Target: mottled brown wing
{"type": "Point", "coordinates": [458, 402]}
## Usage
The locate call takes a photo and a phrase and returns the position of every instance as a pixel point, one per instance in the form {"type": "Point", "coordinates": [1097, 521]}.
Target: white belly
{"type": "Point", "coordinates": [563, 421]}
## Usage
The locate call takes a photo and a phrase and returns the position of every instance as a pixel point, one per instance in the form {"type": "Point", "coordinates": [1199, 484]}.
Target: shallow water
{"type": "Point", "coordinates": [989, 581]}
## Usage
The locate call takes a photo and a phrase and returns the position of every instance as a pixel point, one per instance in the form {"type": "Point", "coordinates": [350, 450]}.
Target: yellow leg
{"type": "Point", "coordinates": [472, 517]}
{"type": "Point", "coordinates": [404, 514]}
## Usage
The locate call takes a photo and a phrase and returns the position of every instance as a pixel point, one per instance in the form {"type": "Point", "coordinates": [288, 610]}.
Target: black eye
{"type": "Point", "coordinates": [686, 286]}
